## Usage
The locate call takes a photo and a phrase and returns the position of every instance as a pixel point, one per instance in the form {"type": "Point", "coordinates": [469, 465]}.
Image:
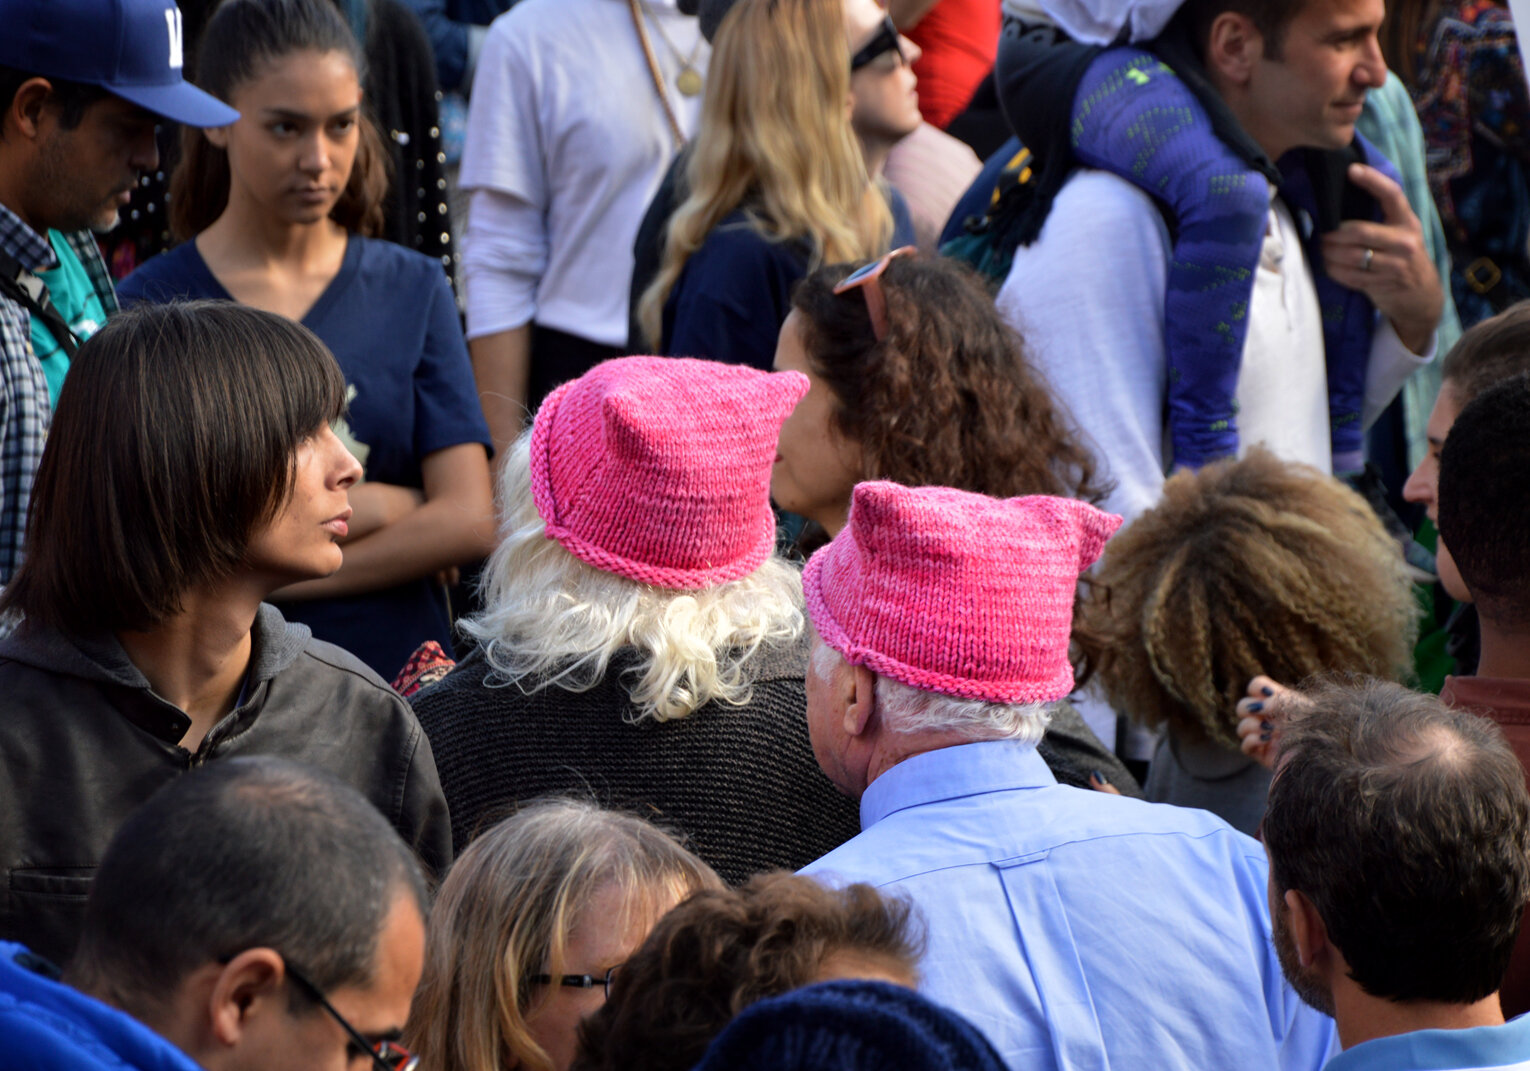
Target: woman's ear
{"type": "Point", "coordinates": [217, 136]}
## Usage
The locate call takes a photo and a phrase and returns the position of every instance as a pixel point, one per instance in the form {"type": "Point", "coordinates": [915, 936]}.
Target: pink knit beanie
{"type": "Point", "coordinates": [957, 593]}
{"type": "Point", "coordinates": [658, 468]}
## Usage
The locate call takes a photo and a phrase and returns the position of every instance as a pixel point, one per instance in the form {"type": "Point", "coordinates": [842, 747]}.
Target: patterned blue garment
{"type": "Point", "coordinates": [25, 412]}
{"type": "Point", "coordinates": [1079, 930]}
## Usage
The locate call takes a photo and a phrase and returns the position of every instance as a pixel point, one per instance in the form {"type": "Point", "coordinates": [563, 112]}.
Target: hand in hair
{"type": "Point", "coordinates": [1262, 715]}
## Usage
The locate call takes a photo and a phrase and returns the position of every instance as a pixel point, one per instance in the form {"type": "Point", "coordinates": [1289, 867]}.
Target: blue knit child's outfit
{"type": "Point", "coordinates": [1135, 118]}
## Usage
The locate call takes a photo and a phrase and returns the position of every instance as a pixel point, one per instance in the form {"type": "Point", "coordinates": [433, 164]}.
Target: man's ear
{"type": "Point", "coordinates": [1308, 932]}
{"type": "Point", "coordinates": [1233, 46]}
{"type": "Point", "coordinates": [861, 705]}
{"type": "Point", "coordinates": [249, 984]}
{"type": "Point", "coordinates": [25, 113]}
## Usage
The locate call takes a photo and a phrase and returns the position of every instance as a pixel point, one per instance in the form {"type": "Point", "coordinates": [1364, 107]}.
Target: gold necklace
{"type": "Point", "coordinates": [655, 74]}
{"type": "Point", "coordinates": [688, 81]}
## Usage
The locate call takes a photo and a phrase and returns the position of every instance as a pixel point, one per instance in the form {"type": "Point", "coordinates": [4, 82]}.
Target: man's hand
{"type": "Point", "coordinates": [1387, 261]}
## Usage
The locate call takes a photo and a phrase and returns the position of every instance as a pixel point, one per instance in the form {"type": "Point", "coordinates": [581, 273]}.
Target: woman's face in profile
{"type": "Point", "coordinates": [816, 467]}
{"type": "Point", "coordinates": [302, 542]}
{"type": "Point", "coordinates": [607, 933]}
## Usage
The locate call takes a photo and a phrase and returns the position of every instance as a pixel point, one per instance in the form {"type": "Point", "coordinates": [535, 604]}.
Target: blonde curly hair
{"type": "Point", "coordinates": [1247, 567]}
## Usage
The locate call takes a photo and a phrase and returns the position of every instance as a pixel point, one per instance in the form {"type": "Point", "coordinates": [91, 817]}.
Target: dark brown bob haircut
{"type": "Point", "coordinates": [722, 950]}
{"type": "Point", "coordinates": [241, 39]}
{"type": "Point", "coordinates": [173, 442]}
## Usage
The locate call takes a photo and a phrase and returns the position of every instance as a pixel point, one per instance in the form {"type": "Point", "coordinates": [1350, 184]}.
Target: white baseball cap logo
{"type": "Point", "coordinates": [173, 26]}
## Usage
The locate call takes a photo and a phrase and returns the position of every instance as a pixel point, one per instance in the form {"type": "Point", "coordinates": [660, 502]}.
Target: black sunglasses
{"type": "Point", "coordinates": [885, 40]}
{"type": "Point", "coordinates": [387, 1055]}
{"type": "Point", "coordinates": [577, 981]}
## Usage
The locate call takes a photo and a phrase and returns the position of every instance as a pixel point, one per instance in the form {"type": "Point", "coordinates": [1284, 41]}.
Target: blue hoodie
{"type": "Point", "coordinates": [47, 1026]}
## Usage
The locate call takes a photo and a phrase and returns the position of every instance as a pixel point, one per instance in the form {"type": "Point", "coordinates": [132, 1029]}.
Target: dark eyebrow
{"type": "Point", "coordinates": [304, 117]}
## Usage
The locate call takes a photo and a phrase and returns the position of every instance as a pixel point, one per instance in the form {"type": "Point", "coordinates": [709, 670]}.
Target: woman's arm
{"type": "Point", "coordinates": [454, 526]}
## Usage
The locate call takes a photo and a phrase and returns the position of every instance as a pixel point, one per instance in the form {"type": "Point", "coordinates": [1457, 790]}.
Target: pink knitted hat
{"type": "Point", "coordinates": [658, 468]}
{"type": "Point", "coordinates": [957, 593]}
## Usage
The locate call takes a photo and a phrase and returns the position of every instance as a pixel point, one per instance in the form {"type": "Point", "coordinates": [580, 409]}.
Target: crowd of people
{"type": "Point", "coordinates": [938, 535]}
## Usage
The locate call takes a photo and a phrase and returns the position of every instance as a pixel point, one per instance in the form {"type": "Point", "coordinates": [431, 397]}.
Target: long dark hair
{"type": "Point", "coordinates": [948, 398]}
{"type": "Point", "coordinates": [240, 38]}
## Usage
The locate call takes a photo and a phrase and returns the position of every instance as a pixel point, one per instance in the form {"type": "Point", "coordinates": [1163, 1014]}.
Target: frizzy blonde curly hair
{"type": "Point", "coordinates": [551, 620]}
{"type": "Point", "coordinates": [1247, 567]}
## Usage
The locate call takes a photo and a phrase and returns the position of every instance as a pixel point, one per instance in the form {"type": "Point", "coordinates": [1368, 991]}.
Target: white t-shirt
{"type": "Point", "coordinates": [1088, 296]}
{"type": "Point", "coordinates": [567, 142]}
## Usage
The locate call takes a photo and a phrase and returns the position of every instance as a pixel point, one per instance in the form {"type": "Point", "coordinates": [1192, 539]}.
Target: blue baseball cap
{"type": "Point", "coordinates": [133, 48]}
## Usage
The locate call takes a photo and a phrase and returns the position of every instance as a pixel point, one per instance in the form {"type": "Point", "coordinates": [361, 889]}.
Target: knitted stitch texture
{"type": "Point", "coordinates": [957, 593]}
{"type": "Point", "coordinates": [658, 468]}
{"type": "Point", "coordinates": [850, 1026]}
{"type": "Point", "coordinates": [740, 783]}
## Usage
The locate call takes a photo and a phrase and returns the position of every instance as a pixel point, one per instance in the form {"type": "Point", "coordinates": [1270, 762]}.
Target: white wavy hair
{"type": "Point", "coordinates": [550, 619]}
{"type": "Point", "coordinates": [904, 709]}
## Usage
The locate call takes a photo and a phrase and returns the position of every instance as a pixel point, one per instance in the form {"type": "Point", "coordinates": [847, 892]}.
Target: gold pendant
{"type": "Point", "coordinates": [688, 81]}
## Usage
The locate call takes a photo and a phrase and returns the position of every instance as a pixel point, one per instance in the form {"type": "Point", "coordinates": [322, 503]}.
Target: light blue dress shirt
{"type": "Point", "coordinates": [1081, 931]}
{"type": "Point", "coordinates": [1482, 1048]}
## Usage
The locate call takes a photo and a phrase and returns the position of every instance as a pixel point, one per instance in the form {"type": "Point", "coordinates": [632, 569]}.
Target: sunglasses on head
{"type": "Point", "coordinates": [885, 40]}
{"type": "Point", "coordinates": [868, 279]}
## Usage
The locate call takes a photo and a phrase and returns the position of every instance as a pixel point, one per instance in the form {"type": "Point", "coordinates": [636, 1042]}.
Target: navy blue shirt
{"type": "Point", "coordinates": [735, 291]}
{"type": "Point", "coordinates": [390, 320]}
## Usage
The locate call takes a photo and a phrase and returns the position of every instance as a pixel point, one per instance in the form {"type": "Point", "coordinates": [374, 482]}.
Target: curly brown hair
{"type": "Point", "coordinates": [722, 950]}
{"type": "Point", "coordinates": [948, 398]}
{"type": "Point", "coordinates": [1248, 567]}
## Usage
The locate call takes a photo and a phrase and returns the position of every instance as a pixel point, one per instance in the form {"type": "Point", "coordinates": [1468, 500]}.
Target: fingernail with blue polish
{"type": "Point", "coordinates": [1267, 690]}
{"type": "Point", "coordinates": [1255, 707]}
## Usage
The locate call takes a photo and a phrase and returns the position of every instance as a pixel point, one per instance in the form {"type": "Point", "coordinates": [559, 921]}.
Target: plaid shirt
{"type": "Point", "coordinates": [25, 411]}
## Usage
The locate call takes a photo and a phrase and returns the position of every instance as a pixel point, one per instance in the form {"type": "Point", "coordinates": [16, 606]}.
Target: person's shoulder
{"type": "Point", "coordinates": [168, 276]}
{"type": "Point", "coordinates": [379, 254]}
{"type": "Point", "coordinates": [1099, 223]}
{"type": "Point", "coordinates": [736, 246]}
{"type": "Point", "coordinates": [339, 670]}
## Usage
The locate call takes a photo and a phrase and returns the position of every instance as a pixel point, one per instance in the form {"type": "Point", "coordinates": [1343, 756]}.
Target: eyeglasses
{"type": "Point", "coordinates": [868, 279]}
{"type": "Point", "coordinates": [577, 981]}
{"type": "Point", "coordinates": [387, 1055]}
{"type": "Point", "coordinates": [886, 39]}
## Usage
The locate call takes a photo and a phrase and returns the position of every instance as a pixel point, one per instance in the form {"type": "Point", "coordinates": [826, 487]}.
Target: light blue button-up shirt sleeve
{"type": "Point", "coordinates": [1082, 931]}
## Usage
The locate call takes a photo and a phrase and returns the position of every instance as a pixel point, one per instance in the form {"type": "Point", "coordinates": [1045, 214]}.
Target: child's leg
{"type": "Point", "coordinates": [1133, 117]}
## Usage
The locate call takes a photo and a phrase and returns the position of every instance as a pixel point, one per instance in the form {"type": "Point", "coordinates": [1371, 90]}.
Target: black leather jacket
{"type": "Point", "coordinates": [84, 740]}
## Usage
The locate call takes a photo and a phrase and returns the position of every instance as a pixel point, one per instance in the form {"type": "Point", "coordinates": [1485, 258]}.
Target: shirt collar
{"type": "Point", "coordinates": [1483, 1047]}
{"type": "Point", "coordinates": [31, 250]}
{"type": "Point", "coordinates": [953, 772]}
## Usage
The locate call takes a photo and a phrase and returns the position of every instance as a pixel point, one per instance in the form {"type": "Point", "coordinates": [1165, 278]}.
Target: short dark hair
{"type": "Point", "coordinates": [1489, 353]}
{"type": "Point", "coordinates": [243, 853]}
{"type": "Point", "coordinates": [1270, 17]}
{"type": "Point", "coordinates": [173, 441]}
{"type": "Point", "coordinates": [73, 99]}
{"type": "Point", "coordinates": [1484, 501]}
{"type": "Point", "coordinates": [1407, 824]}
{"type": "Point", "coordinates": [722, 950]}
{"type": "Point", "coordinates": [240, 38]}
